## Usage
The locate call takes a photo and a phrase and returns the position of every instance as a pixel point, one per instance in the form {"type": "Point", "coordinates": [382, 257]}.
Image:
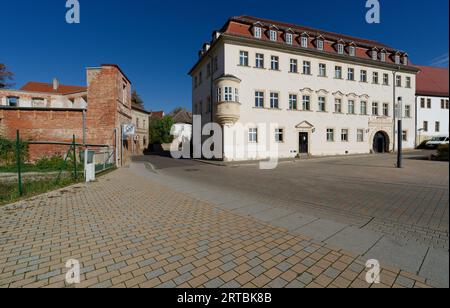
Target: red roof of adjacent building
{"type": "Point", "coordinates": [157, 114]}
{"type": "Point", "coordinates": [48, 88]}
{"type": "Point", "coordinates": [432, 81]}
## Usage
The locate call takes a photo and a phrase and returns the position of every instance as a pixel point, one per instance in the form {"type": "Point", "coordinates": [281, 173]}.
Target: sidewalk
{"type": "Point", "coordinates": [129, 231]}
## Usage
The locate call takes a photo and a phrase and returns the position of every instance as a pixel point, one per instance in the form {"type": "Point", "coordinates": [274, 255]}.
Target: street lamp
{"type": "Point", "coordinates": [400, 131]}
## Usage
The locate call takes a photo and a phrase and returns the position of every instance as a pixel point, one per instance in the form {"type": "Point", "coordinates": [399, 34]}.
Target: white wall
{"type": "Point", "coordinates": [433, 115]}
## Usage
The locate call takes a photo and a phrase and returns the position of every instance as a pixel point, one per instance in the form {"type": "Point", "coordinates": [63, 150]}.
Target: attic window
{"type": "Point", "coordinates": [304, 41]}
{"type": "Point", "coordinates": [12, 101]}
{"type": "Point", "coordinates": [257, 32]}
{"type": "Point", "coordinates": [352, 51]}
{"type": "Point", "coordinates": [289, 38]}
{"type": "Point", "coordinates": [38, 102]}
{"type": "Point", "coordinates": [340, 48]}
{"type": "Point", "coordinates": [383, 57]}
{"type": "Point", "coordinates": [397, 59]}
{"type": "Point", "coordinates": [319, 44]}
{"type": "Point", "coordinates": [405, 60]}
{"type": "Point", "coordinates": [273, 35]}
{"type": "Point", "coordinates": [374, 55]}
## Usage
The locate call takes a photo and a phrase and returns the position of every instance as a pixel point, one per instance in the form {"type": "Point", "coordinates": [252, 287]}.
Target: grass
{"type": "Point", "coordinates": [52, 164]}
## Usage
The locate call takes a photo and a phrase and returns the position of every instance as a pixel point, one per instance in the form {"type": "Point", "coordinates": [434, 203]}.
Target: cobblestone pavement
{"type": "Point", "coordinates": [128, 231]}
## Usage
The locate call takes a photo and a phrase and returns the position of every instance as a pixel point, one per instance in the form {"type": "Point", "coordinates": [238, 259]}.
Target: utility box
{"type": "Point", "coordinates": [88, 157]}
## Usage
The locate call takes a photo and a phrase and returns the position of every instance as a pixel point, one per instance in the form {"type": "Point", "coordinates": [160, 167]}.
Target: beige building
{"type": "Point", "coordinates": [140, 118]}
{"type": "Point", "coordinates": [327, 94]}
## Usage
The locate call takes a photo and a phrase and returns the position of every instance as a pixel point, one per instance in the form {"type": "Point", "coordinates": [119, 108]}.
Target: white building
{"type": "Point", "coordinates": [432, 103]}
{"type": "Point", "coordinates": [329, 94]}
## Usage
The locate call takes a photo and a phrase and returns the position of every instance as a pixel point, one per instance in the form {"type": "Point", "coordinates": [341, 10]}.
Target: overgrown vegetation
{"type": "Point", "coordinates": [51, 164]}
{"type": "Point", "coordinates": [160, 130]}
{"type": "Point", "coordinates": [8, 151]}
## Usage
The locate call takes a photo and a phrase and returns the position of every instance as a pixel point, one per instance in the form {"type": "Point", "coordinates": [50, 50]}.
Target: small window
{"type": "Point", "coordinates": [437, 127]}
{"type": "Point", "coordinates": [340, 48]}
{"type": "Point", "coordinates": [425, 126]}
{"type": "Point", "coordinates": [344, 135]}
{"type": "Point", "coordinates": [228, 94]}
{"type": "Point", "coordinates": [338, 105]}
{"type": "Point", "coordinates": [375, 109]}
{"type": "Point", "coordinates": [405, 136]}
{"type": "Point", "coordinates": [259, 99]}
{"type": "Point", "coordinates": [322, 70]}
{"type": "Point", "coordinates": [257, 32]}
{"type": "Point", "coordinates": [352, 51]}
{"type": "Point", "coordinates": [386, 109]}
{"type": "Point", "coordinates": [374, 55]}
{"type": "Point", "coordinates": [330, 135]}
{"type": "Point", "coordinates": [422, 103]}
{"type": "Point", "coordinates": [385, 79]}
{"type": "Point", "coordinates": [363, 108]}
{"type": "Point", "coordinates": [279, 135]}
{"type": "Point", "coordinates": [219, 94]}
{"type": "Point", "coordinates": [407, 111]}
{"type": "Point", "coordinates": [397, 59]}
{"type": "Point", "coordinates": [274, 100]}
{"type": "Point", "coordinates": [363, 77]}
{"type": "Point", "coordinates": [351, 74]}
{"type": "Point", "coordinates": [398, 81]}
{"type": "Point", "coordinates": [306, 103]}
{"type": "Point", "coordinates": [322, 104]}
{"type": "Point", "coordinates": [293, 66]}
{"type": "Point", "coordinates": [236, 95]}
{"type": "Point", "coordinates": [338, 72]}
{"type": "Point", "coordinates": [429, 103]}
{"type": "Point", "coordinates": [12, 101]}
{"type": "Point", "coordinates": [360, 135]}
{"type": "Point", "coordinates": [408, 82]}
{"type": "Point", "coordinates": [383, 57]}
{"type": "Point", "coordinates": [289, 38]}
{"type": "Point", "coordinates": [405, 60]}
{"type": "Point", "coordinates": [304, 41]}
{"type": "Point", "coordinates": [38, 102]}
{"type": "Point", "coordinates": [375, 79]}
{"type": "Point", "coordinates": [292, 101]}
{"type": "Point", "coordinates": [273, 35]}
{"type": "Point", "coordinates": [351, 107]}
{"type": "Point", "coordinates": [306, 68]}
{"type": "Point", "coordinates": [274, 63]}
{"type": "Point", "coordinates": [253, 135]}
{"type": "Point", "coordinates": [243, 58]}
{"type": "Point", "coordinates": [319, 44]}
{"type": "Point", "coordinates": [259, 60]}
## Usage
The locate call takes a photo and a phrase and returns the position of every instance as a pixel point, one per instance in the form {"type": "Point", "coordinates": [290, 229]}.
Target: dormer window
{"type": "Point", "coordinates": [374, 55]}
{"type": "Point", "coordinates": [304, 41]}
{"type": "Point", "coordinates": [352, 51]}
{"type": "Point", "coordinates": [383, 56]}
{"type": "Point", "coordinates": [397, 59]}
{"type": "Point", "coordinates": [289, 38]}
{"type": "Point", "coordinates": [340, 48]}
{"type": "Point", "coordinates": [257, 32]}
{"type": "Point", "coordinates": [405, 60]}
{"type": "Point", "coordinates": [319, 44]}
{"type": "Point", "coordinates": [273, 35]}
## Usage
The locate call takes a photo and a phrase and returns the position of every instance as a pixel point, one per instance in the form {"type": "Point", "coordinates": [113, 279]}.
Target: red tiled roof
{"type": "Point", "coordinates": [157, 114]}
{"type": "Point", "coordinates": [48, 88]}
{"type": "Point", "coordinates": [432, 81]}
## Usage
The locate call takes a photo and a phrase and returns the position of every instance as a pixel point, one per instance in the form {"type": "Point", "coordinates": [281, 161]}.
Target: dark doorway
{"type": "Point", "coordinates": [304, 143]}
{"type": "Point", "coordinates": [381, 143]}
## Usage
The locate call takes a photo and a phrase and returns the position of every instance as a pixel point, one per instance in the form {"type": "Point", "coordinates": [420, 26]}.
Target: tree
{"type": "Point", "coordinates": [160, 130]}
{"type": "Point", "coordinates": [136, 99]}
{"type": "Point", "coordinates": [177, 110]}
{"type": "Point", "coordinates": [5, 76]}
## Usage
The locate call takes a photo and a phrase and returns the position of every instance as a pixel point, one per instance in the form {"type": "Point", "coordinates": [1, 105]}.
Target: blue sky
{"type": "Point", "coordinates": [156, 42]}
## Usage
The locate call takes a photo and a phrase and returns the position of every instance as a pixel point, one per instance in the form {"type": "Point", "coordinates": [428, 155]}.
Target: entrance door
{"type": "Point", "coordinates": [304, 143]}
{"type": "Point", "coordinates": [379, 143]}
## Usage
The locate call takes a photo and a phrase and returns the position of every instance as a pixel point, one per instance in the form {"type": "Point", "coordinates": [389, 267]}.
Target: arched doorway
{"type": "Point", "coordinates": [381, 142]}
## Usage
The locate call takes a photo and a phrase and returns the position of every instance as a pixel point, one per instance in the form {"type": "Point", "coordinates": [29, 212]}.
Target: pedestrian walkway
{"type": "Point", "coordinates": [129, 231]}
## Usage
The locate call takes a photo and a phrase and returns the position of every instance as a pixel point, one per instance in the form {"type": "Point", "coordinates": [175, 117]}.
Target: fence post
{"type": "Point", "coordinates": [75, 157]}
{"type": "Point", "coordinates": [19, 170]}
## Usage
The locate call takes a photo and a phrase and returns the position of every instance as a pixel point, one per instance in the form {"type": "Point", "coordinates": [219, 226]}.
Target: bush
{"type": "Point", "coordinates": [160, 130]}
{"type": "Point", "coordinates": [8, 151]}
{"type": "Point", "coordinates": [443, 152]}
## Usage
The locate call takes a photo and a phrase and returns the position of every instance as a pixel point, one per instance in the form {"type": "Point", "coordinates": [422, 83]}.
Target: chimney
{"type": "Point", "coordinates": [55, 84]}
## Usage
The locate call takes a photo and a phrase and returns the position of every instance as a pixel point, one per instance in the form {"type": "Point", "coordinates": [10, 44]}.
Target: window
{"type": "Point", "coordinates": [219, 94]}
{"type": "Point", "coordinates": [429, 103]}
{"type": "Point", "coordinates": [253, 135]}
{"type": "Point", "coordinates": [274, 63]}
{"type": "Point", "coordinates": [330, 135]}
{"type": "Point", "coordinates": [306, 103]}
{"type": "Point", "coordinates": [322, 70]}
{"type": "Point", "coordinates": [363, 76]}
{"type": "Point", "coordinates": [12, 101]}
{"type": "Point", "coordinates": [344, 135]}
{"type": "Point", "coordinates": [38, 102]}
{"type": "Point", "coordinates": [322, 104]}
{"type": "Point", "coordinates": [228, 94]}
{"type": "Point", "coordinates": [405, 136]}
{"type": "Point", "coordinates": [437, 127]}
{"type": "Point", "coordinates": [383, 57]}
{"type": "Point", "coordinates": [236, 95]}
{"type": "Point", "coordinates": [407, 111]}
{"type": "Point", "coordinates": [444, 103]}
{"type": "Point", "coordinates": [279, 135]}
{"type": "Point", "coordinates": [293, 101]}
{"type": "Point", "coordinates": [338, 105]}
{"type": "Point", "coordinates": [273, 35]}
{"type": "Point", "coordinates": [422, 103]}
{"type": "Point", "coordinates": [243, 59]}
{"type": "Point", "coordinates": [386, 109]}
{"type": "Point", "coordinates": [363, 108]}
{"type": "Point", "coordinates": [375, 109]}
{"type": "Point", "coordinates": [338, 72]}
{"type": "Point", "coordinates": [259, 99]}
{"type": "Point", "coordinates": [340, 48]}
{"type": "Point", "coordinates": [351, 107]}
{"type": "Point", "coordinates": [274, 100]}
{"type": "Point", "coordinates": [319, 44]}
{"type": "Point", "coordinates": [259, 60]}
{"type": "Point", "coordinates": [360, 135]}
{"type": "Point", "coordinates": [385, 79]}
{"type": "Point", "coordinates": [375, 78]}
{"type": "Point", "coordinates": [304, 41]}
{"type": "Point", "coordinates": [398, 81]}
{"type": "Point", "coordinates": [258, 32]}
{"type": "Point", "coordinates": [306, 68]}
{"type": "Point", "coordinates": [351, 74]}
{"type": "Point", "coordinates": [293, 66]}
{"type": "Point", "coordinates": [408, 82]}
{"type": "Point", "coordinates": [124, 91]}
{"type": "Point", "coordinates": [374, 55]}
{"type": "Point", "coordinates": [425, 126]}
{"type": "Point", "coordinates": [352, 51]}
{"type": "Point", "coordinates": [405, 60]}
{"type": "Point", "coordinates": [397, 59]}
{"type": "Point", "coordinates": [289, 38]}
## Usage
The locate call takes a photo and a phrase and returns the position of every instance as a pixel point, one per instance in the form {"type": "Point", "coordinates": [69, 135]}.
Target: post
{"type": "Point", "coordinates": [75, 157]}
{"type": "Point", "coordinates": [395, 106]}
{"type": "Point", "coordinates": [19, 170]}
{"type": "Point", "coordinates": [400, 140]}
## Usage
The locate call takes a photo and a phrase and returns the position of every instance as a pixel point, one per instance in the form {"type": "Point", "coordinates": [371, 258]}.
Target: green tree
{"type": "Point", "coordinates": [5, 76]}
{"type": "Point", "coordinates": [177, 110]}
{"type": "Point", "coordinates": [136, 99]}
{"type": "Point", "coordinates": [160, 130]}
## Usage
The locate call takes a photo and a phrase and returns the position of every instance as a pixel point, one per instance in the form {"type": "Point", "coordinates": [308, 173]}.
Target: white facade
{"type": "Point", "coordinates": [432, 117]}
{"type": "Point", "coordinates": [353, 132]}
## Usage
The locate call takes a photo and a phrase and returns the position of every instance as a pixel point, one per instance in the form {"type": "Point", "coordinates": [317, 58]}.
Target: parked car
{"type": "Point", "coordinates": [436, 142]}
